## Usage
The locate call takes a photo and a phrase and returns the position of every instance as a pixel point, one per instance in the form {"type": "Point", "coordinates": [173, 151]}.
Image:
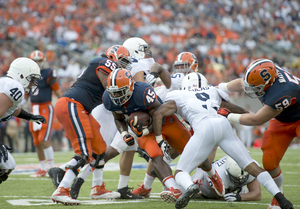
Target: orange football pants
{"type": "Point", "coordinates": [173, 131]}
{"type": "Point", "coordinates": [46, 110]}
{"type": "Point", "coordinates": [81, 128]}
{"type": "Point", "coordinates": [276, 140]}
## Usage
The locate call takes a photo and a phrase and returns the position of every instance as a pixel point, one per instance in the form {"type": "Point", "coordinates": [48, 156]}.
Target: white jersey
{"type": "Point", "coordinates": [15, 91]}
{"type": "Point", "coordinates": [220, 166]}
{"type": "Point", "coordinates": [197, 104]}
{"type": "Point", "coordinates": [143, 64]}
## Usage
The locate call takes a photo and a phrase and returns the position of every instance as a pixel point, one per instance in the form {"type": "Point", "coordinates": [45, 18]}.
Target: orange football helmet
{"type": "Point", "coordinates": [120, 55]}
{"type": "Point", "coordinates": [120, 86]}
{"type": "Point", "coordinates": [186, 62]}
{"type": "Point", "coordinates": [259, 76]}
{"type": "Point", "coordinates": [38, 57]}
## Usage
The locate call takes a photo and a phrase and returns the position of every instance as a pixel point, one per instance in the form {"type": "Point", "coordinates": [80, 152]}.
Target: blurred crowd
{"type": "Point", "coordinates": [225, 35]}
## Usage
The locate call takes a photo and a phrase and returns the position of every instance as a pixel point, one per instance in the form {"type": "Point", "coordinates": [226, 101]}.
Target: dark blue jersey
{"type": "Point", "coordinates": [142, 99]}
{"type": "Point", "coordinates": [44, 93]}
{"type": "Point", "coordinates": [284, 94]}
{"type": "Point", "coordinates": [88, 89]}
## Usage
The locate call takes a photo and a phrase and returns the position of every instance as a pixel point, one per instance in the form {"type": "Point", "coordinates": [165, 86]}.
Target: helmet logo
{"type": "Point", "coordinates": [265, 74]}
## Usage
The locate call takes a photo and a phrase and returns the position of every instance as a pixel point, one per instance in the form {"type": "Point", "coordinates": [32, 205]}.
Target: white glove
{"type": "Point", "coordinates": [165, 147]}
{"type": "Point", "coordinates": [231, 197]}
{"type": "Point", "coordinates": [151, 78]}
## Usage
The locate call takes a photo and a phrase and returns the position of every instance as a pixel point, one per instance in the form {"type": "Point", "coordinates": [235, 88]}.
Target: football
{"type": "Point", "coordinates": [139, 117]}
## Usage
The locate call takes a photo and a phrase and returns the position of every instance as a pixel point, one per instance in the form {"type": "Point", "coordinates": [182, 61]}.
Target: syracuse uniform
{"type": "Point", "coordinates": [74, 108]}
{"type": "Point", "coordinates": [283, 94]}
{"type": "Point", "coordinates": [41, 104]}
{"type": "Point", "coordinates": [142, 99]}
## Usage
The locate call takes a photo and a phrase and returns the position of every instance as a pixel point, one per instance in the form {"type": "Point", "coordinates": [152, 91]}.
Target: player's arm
{"type": "Point", "coordinates": [254, 193]}
{"type": "Point", "coordinates": [53, 82]}
{"type": "Point", "coordinates": [157, 70]}
{"type": "Point", "coordinates": [164, 110]}
{"type": "Point", "coordinates": [236, 85]}
{"type": "Point", "coordinates": [20, 113]}
{"type": "Point", "coordinates": [5, 104]}
{"type": "Point", "coordinates": [263, 115]}
{"type": "Point", "coordinates": [103, 78]}
{"type": "Point", "coordinates": [232, 107]}
{"type": "Point", "coordinates": [139, 76]}
{"type": "Point", "coordinates": [123, 128]}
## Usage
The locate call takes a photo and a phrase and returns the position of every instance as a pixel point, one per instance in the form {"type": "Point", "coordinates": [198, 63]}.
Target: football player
{"type": "Point", "coordinates": [278, 91]}
{"type": "Point", "coordinates": [199, 107]}
{"type": "Point", "coordinates": [73, 112]}
{"type": "Point", "coordinates": [41, 104]}
{"type": "Point", "coordinates": [124, 96]}
{"type": "Point", "coordinates": [21, 78]}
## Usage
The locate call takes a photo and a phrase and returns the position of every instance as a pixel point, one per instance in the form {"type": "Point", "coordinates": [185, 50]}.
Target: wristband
{"type": "Point", "coordinates": [223, 87]}
{"type": "Point", "coordinates": [124, 133]}
{"type": "Point", "coordinates": [238, 197]}
{"type": "Point", "coordinates": [159, 139]}
{"type": "Point", "coordinates": [234, 118]}
{"type": "Point", "coordinates": [155, 74]}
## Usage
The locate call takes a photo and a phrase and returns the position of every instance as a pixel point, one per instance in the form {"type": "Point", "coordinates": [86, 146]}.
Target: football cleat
{"type": "Point", "coordinates": [126, 194]}
{"type": "Point", "coordinates": [184, 199]}
{"type": "Point", "coordinates": [279, 201]}
{"type": "Point", "coordinates": [142, 191]}
{"type": "Point", "coordinates": [56, 174]}
{"type": "Point", "coordinates": [99, 192]}
{"type": "Point", "coordinates": [171, 195]}
{"type": "Point", "coordinates": [218, 184]}
{"type": "Point", "coordinates": [274, 204]}
{"type": "Point", "coordinates": [75, 188]}
{"type": "Point", "coordinates": [40, 173]}
{"type": "Point", "coordinates": [62, 195]}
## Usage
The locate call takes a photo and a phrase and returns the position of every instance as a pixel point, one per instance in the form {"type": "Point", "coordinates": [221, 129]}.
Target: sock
{"type": "Point", "coordinates": [123, 181]}
{"type": "Point", "coordinates": [183, 179]}
{"type": "Point", "coordinates": [43, 165]}
{"type": "Point", "coordinates": [198, 175]}
{"type": "Point", "coordinates": [211, 172]}
{"type": "Point", "coordinates": [63, 167]}
{"type": "Point", "coordinates": [170, 182]}
{"type": "Point", "coordinates": [49, 155]}
{"type": "Point", "coordinates": [97, 177]}
{"type": "Point", "coordinates": [266, 181]}
{"type": "Point", "coordinates": [148, 181]}
{"type": "Point", "coordinates": [85, 172]}
{"type": "Point", "coordinates": [278, 180]}
{"type": "Point", "coordinates": [69, 176]}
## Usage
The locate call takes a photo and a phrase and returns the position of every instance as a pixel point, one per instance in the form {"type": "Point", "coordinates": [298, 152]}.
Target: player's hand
{"type": "Point", "coordinates": [3, 152]}
{"type": "Point", "coordinates": [232, 197]}
{"type": "Point", "coordinates": [165, 147]}
{"type": "Point", "coordinates": [224, 112]}
{"type": "Point", "coordinates": [129, 140]}
{"type": "Point", "coordinates": [151, 78]}
{"type": "Point", "coordinates": [138, 130]}
{"type": "Point", "coordinates": [3, 177]}
{"type": "Point", "coordinates": [38, 119]}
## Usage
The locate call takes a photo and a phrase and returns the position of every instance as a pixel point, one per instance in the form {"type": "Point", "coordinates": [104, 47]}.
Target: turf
{"type": "Point", "coordinates": [21, 191]}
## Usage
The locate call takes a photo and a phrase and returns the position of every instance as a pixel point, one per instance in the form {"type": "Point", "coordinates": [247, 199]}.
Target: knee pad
{"type": "Point", "coordinates": [98, 158]}
{"type": "Point", "coordinates": [80, 163]}
{"type": "Point", "coordinates": [270, 162]}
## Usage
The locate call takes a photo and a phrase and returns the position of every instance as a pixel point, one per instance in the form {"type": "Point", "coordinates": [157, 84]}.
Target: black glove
{"type": "Point", "coordinates": [38, 119]}
{"type": "Point", "coordinates": [3, 177]}
{"type": "Point", "coordinates": [129, 139]}
{"type": "Point", "coordinates": [232, 197]}
{"type": "Point", "coordinates": [3, 152]}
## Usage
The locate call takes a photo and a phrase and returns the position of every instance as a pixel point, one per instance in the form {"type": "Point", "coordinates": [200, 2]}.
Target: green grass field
{"type": "Point", "coordinates": [21, 191]}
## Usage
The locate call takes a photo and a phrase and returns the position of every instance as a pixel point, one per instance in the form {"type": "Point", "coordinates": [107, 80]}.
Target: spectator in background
{"type": "Point", "coordinates": [41, 104]}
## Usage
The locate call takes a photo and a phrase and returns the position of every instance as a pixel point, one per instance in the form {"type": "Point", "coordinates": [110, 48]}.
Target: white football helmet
{"type": "Point", "coordinates": [138, 48]}
{"type": "Point", "coordinates": [235, 173]}
{"type": "Point", "coordinates": [193, 81]}
{"type": "Point", "coordinates": [25, 71]}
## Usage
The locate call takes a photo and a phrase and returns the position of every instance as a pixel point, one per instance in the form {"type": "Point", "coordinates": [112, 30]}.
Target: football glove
{"type": "Point", "coordinates": [38, 119]}
{"type": "Point", "coordinates": [224, 112]}
{"type": "Point", "coordinates": [129, 140]}
{"type": "Point", "coordinates": [232, 197]}
{"type": "Point", "coordinates": [165, 147]}
{"type": "Point", "coordinates": [3, 152]}
{"type": "Point", "coordinates": [3, 177]}
{"type": "Point", "coordinates": [139, 130]}
{"type": "Point", "coordinates": [151, 78]}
